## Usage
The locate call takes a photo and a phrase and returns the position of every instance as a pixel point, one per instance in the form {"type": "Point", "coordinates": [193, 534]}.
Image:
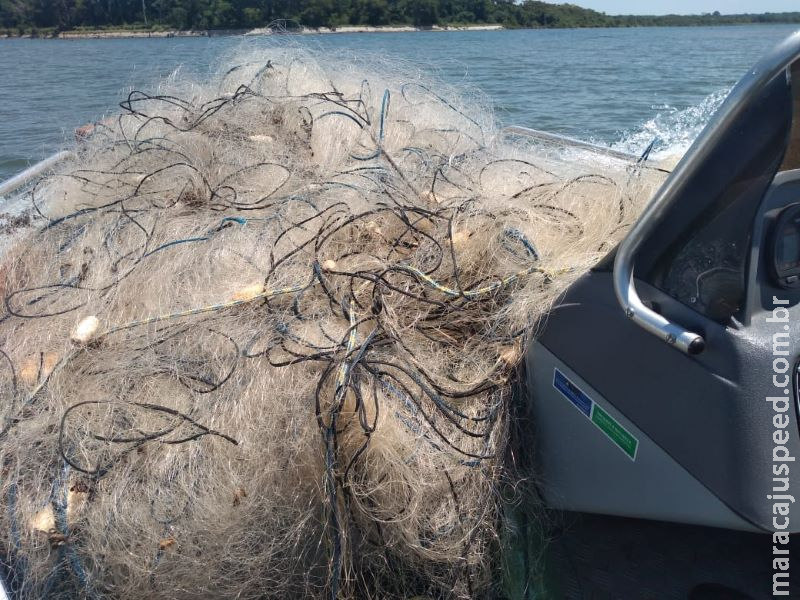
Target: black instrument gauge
{"type": "Point", "coordinates": [785, 248]}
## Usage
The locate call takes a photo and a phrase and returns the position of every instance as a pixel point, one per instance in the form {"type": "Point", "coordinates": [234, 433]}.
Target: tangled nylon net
{"type": "Point", "coordinates": [259, 340]}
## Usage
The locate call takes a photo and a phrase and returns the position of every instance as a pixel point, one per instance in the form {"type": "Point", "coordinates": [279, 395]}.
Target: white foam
{"type": "Point", "coordinates": [672, 129]}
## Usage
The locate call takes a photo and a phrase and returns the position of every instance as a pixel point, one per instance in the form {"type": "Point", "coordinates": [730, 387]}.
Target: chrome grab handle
{"type": "Point", "coordinates": [32, 172]}
{"type": "Point", "coordinates": [740, 98]}
{"type": "Point", "coordinates": [648, 319]}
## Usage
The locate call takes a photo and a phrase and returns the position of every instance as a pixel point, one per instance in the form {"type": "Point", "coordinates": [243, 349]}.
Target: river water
{"type": "Point", "coordinates": [623, 87]}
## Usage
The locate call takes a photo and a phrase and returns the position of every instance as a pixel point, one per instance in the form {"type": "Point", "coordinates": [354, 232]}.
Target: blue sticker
{"type": "Point", "coordinates": [601, 418]}
{"type": "Point", "coordinates": [572, 393]}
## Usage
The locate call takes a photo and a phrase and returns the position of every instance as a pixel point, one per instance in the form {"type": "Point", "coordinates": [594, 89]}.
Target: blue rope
{"type": "Point", "coordinates": [175, 243]}
{"type": "Point", "coordinates": [516, 234]}
{"type": "Point", "coordinates": [646, 154]}
{"type": "Point", "coordinates": [381, 129]}
{"type": "Point", "coordinates": [239, 220]}
{"type": "Point", "coordinates": [415, 427]}
{"type": "Point", "coordinates": [384, 110]}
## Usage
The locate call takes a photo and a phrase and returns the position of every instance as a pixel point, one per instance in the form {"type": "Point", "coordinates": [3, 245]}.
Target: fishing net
{"type": "Point", "coordinates": [258, 340]}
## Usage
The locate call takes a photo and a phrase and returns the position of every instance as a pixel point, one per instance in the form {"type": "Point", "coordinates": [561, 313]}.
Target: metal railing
{"type": "Point", "coordinates": [741, 97]}
{"type": "Point", "coordinates": [563, 140]}
{"type": "Point", "coordinates": [32, 172]}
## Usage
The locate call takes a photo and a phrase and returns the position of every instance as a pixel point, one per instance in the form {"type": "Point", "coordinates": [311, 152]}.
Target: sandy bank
{"type": "Point", "coordinates": [400, 29]}
{"type": "Point", "coordinates": [98, 35]}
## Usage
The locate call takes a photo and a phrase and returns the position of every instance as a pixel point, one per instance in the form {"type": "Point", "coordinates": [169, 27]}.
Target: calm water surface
{"type": "Point", "coordinates": [618, 86]}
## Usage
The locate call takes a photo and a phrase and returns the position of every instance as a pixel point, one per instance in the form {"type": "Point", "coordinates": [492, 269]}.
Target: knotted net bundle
{"type": "Point", "coordinates": [259, 337]}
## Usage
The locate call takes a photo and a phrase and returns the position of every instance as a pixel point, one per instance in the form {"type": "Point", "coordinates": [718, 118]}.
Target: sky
{"type": "Point", "coordinates": [685, 7]}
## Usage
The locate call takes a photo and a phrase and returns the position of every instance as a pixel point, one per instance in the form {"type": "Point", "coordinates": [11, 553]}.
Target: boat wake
{"type": "Point", "coordinates": [672, 130]}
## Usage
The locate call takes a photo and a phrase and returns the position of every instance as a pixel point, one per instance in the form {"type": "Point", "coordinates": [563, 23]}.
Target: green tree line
{"type": "Point", "coordinates": [25, 15]}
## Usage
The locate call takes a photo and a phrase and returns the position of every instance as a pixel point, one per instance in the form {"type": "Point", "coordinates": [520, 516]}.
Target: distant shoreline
{"type": "Point", "coordinates": [109, 34]}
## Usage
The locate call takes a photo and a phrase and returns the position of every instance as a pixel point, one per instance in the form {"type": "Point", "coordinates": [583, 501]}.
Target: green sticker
{"type": "Point", "coordinates": [615, 432]}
